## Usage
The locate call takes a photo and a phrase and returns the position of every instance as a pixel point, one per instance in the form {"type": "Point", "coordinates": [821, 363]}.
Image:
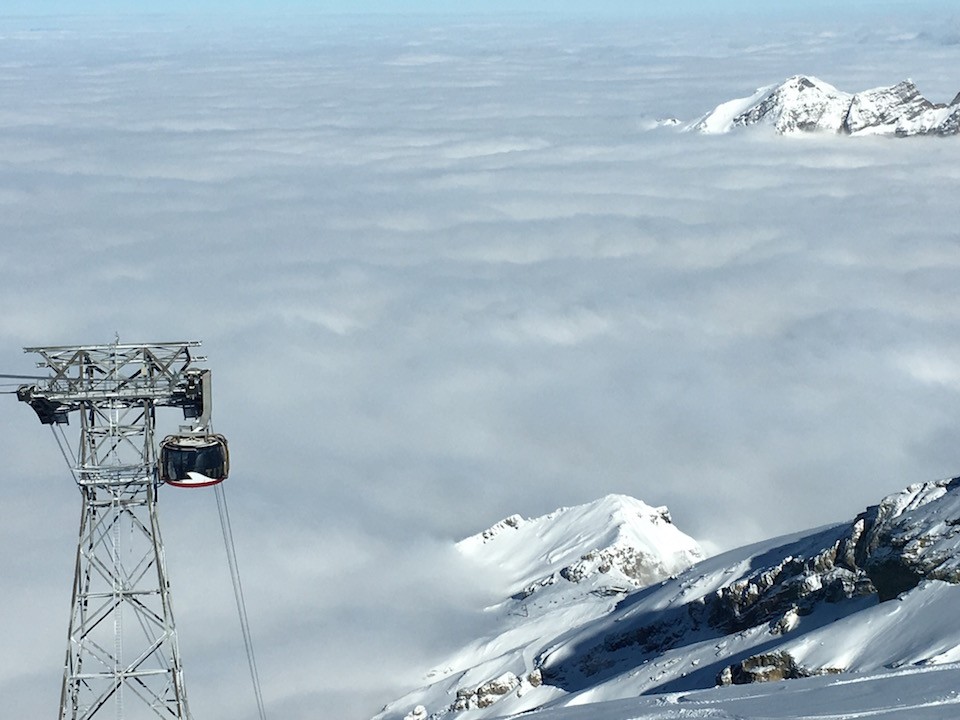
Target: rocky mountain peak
{"type": "Point", "coordinates": [806, 104]}
{"type": "Point", "coordinates": [800, 103]}
{"type": "Point", "coordinates": [630, 543]}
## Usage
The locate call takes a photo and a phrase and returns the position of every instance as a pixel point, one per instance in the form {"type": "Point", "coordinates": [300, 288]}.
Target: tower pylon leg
{"type": "Point", "coordinates": [123, 661]}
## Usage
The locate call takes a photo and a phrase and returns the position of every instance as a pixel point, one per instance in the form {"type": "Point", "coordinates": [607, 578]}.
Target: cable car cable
{"type": "Point", "coordinates": [238, 595]}
{"type": "Point", "coordinates": [64, 446]}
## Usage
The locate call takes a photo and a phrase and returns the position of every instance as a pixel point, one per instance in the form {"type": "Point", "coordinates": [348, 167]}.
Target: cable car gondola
{"type": "Point", "coordinates": [194, 460]}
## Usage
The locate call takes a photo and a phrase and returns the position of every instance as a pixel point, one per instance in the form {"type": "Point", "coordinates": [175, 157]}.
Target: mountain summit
{"type": "Point", "coordinates": [804, 104]}
{"type": "Point", "coordinates": [548, 575]}
{"type": "Point", "coordinates": [616, 543]}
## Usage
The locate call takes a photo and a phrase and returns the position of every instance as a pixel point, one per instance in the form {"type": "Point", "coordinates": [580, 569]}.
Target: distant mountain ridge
{"type": "Point", "coordinates": [575, 627]}
{"type": "Point", "coordinates": [807, 104]}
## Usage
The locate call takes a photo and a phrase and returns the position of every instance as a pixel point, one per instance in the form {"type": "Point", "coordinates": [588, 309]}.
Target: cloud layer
{"type": "Point", "coordinates": [444, 273]}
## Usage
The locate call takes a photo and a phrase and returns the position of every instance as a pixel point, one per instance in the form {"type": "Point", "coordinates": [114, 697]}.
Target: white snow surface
{"type": "Point", "coordinates": [721, 120]}
{"type": "Point", "coordinates": [915, 693]}
{"type": "Point", "coordinates": [562, 650]}
{"type": "Point", "coordinates": [904, 632]}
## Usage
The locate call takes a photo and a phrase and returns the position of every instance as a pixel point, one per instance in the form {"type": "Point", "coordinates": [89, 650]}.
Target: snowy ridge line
{"type": "Point", "coordinates": [802, 104]}
{"type": "Point", "coordinates": [619, 534]}
{"type": "Point", "coordinates": [875, 597]}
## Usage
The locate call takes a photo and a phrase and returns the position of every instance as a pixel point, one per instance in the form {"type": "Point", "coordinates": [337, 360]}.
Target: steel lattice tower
{"type": "Point", "coordinates": [122, 657]}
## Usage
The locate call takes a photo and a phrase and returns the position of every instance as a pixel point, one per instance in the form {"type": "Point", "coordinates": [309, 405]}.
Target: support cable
{"type": "Point", "coordinates": [62, 444]}
{"type": "Point", "coordinates": [238, 595]}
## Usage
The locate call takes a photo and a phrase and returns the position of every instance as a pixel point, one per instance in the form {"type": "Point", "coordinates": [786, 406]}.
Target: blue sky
{"type": "Point", "coordinates": [696, 8]}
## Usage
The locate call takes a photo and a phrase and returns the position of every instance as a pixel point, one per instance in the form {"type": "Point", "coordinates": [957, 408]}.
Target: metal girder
{"type": "Point", "coordinates": [158, 373]}
{"type": "Point", "coordinates": [123, 659]}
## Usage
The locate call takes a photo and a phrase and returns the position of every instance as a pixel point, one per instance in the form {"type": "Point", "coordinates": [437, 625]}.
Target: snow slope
{"type": "Point", "coordinates": [871, 602]}
{"type": "Point", "coordinates": [914, 693]}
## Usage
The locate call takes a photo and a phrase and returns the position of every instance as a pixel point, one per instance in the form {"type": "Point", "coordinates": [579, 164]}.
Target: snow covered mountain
{"type": "Point", "coordinates": [804, 104]}
{"type": "Point", "coordinates": [840, 606]}
{"type": "Point", "coordinates": [552, 574]}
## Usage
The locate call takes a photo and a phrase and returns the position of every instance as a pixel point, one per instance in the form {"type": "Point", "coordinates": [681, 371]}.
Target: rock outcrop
{"type": "Point", "coordinates": [915, 537]}
{"type": "Point", "coordinates": [487, 694]}
{"type": "Point", "coordinates": [767, 667]}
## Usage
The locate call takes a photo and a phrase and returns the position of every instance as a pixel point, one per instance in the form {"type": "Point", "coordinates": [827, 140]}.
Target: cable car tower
{"type": "Point", "coordinates": [122, 659]}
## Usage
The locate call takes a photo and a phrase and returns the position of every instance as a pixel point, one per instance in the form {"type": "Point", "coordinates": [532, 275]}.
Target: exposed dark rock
{"type": "Point", "coordinates": [886, 106]}
{"type": "Point", "coordinates": [767, 667]}
{"type": "Point", "coordinates": [951, 126]}
{"type": "Point", "coordinates": [798, 104]}
{"type": "Point", "coordinates": [901, 550]}
{"type": "Point", "coordinates": [891, 576]}
{"type": "Point", "coordinates": [794, 584]}
{"type": "Point", "coordinates": [487, 694]}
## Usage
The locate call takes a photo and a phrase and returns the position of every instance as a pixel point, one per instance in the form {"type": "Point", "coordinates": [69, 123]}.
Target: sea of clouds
{"type": "Point", "coordinates": [447, 270]}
